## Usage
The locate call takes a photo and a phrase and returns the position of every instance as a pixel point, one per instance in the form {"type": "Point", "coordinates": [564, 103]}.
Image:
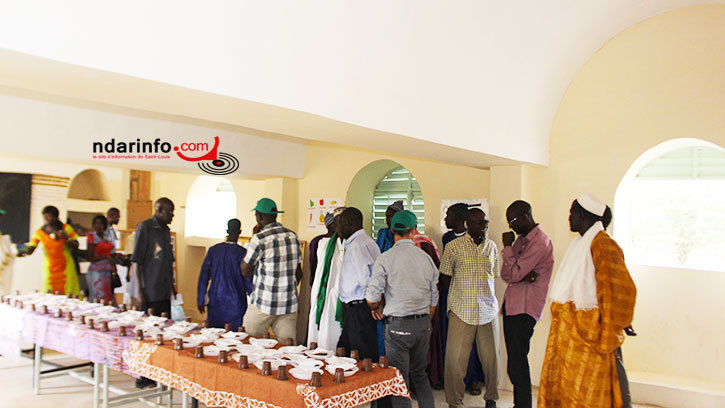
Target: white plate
{"type": "Point", "coordinates": [275, 363]}
{"type": "Point", "coordinates": [308, 363]}
{"type": "Point", "coordinates": [293, 349]}
{"type": "Point", "coordinates": [340, 361]}
{"type": "Point", "coordinates": [235, 335]}
{"type": "Point", "coordinates": [247, 348]}
{"type": "Point", "coordinates": [298, 357]}
{"type": "Point", "coordinates": [266, 343]}
{"type": "Point", "coordinates": [251, 358]}
{"type": "Point", "coordinates": [214, 350]}
{"type": "Point", "coordinates": [319, 354]}
{"type": "Point", "coordinates": [226, 342]}
{"type": "Point", "coordinates": [303, 373]}
{"type": "Point", "coordinates": [270, 353]}
{"type": "Point", "coordinates": [213, 331]}
{"type": "Point", "coordinates": [331, 370]}
{"type": "Point", "coordinates": [344, 366]}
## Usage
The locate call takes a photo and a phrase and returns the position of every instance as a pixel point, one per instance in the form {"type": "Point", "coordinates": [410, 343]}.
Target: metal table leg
{"type": "Point", "coordinates": [159, 388]}
{"type": "Point", "coordinates": [37, 359]}
{"type": "Point", "coordinates": [96, 383]}
{"type": "Point", "coordinates": [105, 386]}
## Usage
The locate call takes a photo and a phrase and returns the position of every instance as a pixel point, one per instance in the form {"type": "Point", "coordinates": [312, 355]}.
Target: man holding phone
{"type": "Point", "coordinates": [527, 264]}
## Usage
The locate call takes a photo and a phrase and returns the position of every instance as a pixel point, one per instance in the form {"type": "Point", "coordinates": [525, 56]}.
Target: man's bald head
{"type": "Point", "coordinates": [113, 215]}
{"type": "Point", "coordinates": [164, 210]}
{"type": "Point", "coordinates": [477, 223]}
{"type": "Point", "coordinates": [520, 218]}
{"type": "Point", "coordinates": [518, 208]}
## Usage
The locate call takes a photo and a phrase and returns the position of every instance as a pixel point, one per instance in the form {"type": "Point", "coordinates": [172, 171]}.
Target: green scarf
{"type": "Point", "coordinates": [322, 294]}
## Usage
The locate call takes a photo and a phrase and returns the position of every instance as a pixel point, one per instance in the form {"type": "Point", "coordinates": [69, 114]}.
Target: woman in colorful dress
{"type": "Point", "coordinates": [101, 247]}
{"type": "Point", "coordinates": [59, 270]}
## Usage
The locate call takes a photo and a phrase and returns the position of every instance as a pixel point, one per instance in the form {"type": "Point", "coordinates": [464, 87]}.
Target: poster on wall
{"type": "Point", "coordinates": [481, 203]}
{"type": "Point", "coordinates": [316, 210]}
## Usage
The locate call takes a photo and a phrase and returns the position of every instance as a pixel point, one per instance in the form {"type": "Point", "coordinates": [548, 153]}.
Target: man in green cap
{"type": "Point", "coordinates": [274, 259]}
{"type": "Point", "coordinates": [408, 278]}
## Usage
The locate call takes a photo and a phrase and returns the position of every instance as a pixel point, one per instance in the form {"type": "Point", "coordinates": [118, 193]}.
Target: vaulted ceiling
{"type": "Point", "coordinates": [471, 82]}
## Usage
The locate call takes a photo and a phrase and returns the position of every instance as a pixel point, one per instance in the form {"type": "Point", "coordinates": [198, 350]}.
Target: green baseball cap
{"type": "Point", "coordinates": [403, 221]}
{"type": "Point", "coordinates": [267, 206]}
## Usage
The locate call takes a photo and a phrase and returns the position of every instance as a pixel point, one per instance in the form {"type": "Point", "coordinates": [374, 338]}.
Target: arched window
{"type": "Point", "coordinates": [674, 209]}
{"type": "Point", "coordinates": [89, 184]}
{"type": "Point", "coordinates": [398, 184]}
{"type": "Point", "coordinates": [211, 202]}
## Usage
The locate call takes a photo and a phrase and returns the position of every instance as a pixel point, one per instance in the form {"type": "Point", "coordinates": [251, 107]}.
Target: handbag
{"type": "Point", "coordinates": [115, 280]}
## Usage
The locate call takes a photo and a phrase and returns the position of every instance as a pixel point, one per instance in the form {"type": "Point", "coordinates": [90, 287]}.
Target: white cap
{"type": "Point", "coordinates": [592, 204]}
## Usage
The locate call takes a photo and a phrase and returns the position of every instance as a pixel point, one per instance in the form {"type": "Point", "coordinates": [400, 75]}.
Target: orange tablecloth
{"type": "Point", "coordinates": [226, 385]}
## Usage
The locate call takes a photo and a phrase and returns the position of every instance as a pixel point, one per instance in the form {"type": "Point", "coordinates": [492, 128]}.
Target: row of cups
{"type": "Point", "coordinates": [316, 380]}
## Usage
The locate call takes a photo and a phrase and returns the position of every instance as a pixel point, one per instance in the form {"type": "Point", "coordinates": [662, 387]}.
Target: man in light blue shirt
{"type": "Point", "coordinates": [359, 331]}
{"type": "Point", "coordinates": [408, 278]}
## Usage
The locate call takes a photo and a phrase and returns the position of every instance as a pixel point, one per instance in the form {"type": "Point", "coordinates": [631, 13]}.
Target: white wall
{"type": "Point", "coordinates": [68, 132]}
{"type": "Point", "coordinates": [659, 80]}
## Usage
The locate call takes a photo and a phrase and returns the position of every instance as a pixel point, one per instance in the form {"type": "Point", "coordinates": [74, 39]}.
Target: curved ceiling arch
{"type": "Point", "coordinates": [485, 77]}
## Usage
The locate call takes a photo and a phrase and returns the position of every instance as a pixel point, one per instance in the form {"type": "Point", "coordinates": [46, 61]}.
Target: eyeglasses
{"type": "Point", "coordinates": [513, 220]}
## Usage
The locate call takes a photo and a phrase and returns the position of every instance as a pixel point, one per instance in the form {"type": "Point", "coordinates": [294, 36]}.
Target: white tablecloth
{"type": "Point", "coordinates": [11, 330]}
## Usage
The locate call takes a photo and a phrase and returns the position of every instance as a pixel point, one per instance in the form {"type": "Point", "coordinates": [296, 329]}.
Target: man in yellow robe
{"type": "Point", "coordinates": [593, 299]}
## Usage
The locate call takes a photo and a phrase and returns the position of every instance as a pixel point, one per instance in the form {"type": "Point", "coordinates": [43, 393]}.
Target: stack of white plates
{"type": "Point", "coordinates": [319, 353]}
{"type": "Point", "coordinates": [235, 335]}
{"type": "Point", "coordinates": [293, 349]}
{"type": "Point", "coordinates": [265, 343]}
{"type": "Point", "coordinates": [349, 369]}
{"type": "Point", "coordinates": [276, 363]}
{"type": "Point", "coordinates": [304, 373]}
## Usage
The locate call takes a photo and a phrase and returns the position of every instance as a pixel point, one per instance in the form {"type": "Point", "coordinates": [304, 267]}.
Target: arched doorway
{"type": "Point", "coordinates": [89, 184]}
{"type": "Point", "coordinates": [378, 185]}
{"type": "Point", "coordinates": [210, 203]}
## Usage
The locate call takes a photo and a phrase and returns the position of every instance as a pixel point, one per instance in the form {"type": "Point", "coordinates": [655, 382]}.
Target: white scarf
{"type": "Point", "coordinates": [575, 280]}
{"type": "Point", "coordinates": [329, 331]}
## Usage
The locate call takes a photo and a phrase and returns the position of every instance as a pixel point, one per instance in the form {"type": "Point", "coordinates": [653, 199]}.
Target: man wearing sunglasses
{"type": "Point", "coordinates": [526, 266]}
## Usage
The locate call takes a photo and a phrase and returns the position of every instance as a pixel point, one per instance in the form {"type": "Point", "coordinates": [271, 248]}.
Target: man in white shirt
{"type": "Point", "coordinates": [359, 330]}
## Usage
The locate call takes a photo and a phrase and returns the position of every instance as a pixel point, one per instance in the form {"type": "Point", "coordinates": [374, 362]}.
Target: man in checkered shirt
{"type": "Point", "coordinates": [273, 258]}
{"type": "Point", "coordinates": [468, 266]}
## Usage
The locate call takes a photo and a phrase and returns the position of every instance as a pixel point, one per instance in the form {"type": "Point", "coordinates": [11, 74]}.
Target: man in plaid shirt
{"type": "Point", "coordinates": [273, 258]}
{"type": "Point", "coordinates": [468, 266]}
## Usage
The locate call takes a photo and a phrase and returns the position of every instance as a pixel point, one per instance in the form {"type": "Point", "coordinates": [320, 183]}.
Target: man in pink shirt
{"type": "Point", "coordinates": [527, 265]}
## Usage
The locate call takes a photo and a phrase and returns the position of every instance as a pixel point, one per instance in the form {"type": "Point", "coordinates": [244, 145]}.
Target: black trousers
{"type": "Point", "coordinates": [161, 306]}
{"type": "Point", "coordinates": [359, 330]}
{"type": "Point", "coordinates": [623, 381]}
{"type": "Point", "coordinates": [517, 331]}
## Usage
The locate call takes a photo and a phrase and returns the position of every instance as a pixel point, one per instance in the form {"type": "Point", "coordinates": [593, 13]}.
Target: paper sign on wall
{"type": "Point", "coordinates": [481, 203]}
{"type": "Point", "coordinates": [316, 210]}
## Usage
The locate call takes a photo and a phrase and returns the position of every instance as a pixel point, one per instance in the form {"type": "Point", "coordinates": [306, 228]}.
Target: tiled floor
{"type": "Point", "coordinates": [16, 388]}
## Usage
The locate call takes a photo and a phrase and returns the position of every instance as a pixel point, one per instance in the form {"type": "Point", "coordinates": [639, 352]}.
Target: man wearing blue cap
{"type": "Point", "coordinates": [408, 278]}
{"type": "Point", "coordinates": [273, 258]}
{"type": "Point", "coordinates": [385, 239]}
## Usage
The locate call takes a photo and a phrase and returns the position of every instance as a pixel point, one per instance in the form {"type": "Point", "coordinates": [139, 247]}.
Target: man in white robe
{"type": "Point", "coordinates": [326, 330]}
